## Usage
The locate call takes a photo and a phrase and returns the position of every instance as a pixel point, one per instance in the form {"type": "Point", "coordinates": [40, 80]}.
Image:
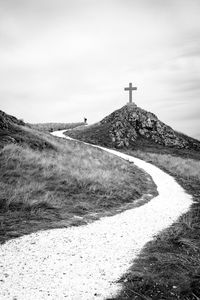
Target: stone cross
{"type": "Point", "coordinates": [130, 89]}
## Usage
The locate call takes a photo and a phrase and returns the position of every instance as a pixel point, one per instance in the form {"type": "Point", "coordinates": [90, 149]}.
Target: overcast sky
{"type": "Point", "coordinates": [62, 60]}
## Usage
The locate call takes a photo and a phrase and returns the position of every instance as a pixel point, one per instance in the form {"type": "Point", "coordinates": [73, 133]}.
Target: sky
{"type": "Point", "coordinates": [63, 60]}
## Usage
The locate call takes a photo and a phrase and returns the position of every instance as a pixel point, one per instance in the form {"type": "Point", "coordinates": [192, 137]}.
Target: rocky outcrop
{"type": "Point", "coordinates": [131, 122]}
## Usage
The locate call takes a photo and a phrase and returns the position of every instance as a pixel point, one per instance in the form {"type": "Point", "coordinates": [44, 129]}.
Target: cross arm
{"type": "Point", "coordinates": [128, 88]}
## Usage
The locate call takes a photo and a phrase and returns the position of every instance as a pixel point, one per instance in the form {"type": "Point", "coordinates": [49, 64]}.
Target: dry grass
{"type": "Point", "coordinates": [67, 184]}
{"type": "Point", "coordinates": [185, 167]}
{"type": "Point", "coordinates": [169, 266]}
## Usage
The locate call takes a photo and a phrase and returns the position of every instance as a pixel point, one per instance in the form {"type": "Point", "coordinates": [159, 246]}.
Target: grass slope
{"type": "Point", "coordinates": [13, 130]}
{"type": "Point", "coordinates": [66, 183]}
{"type": "Point", "coordinates": [24, 135]}
{"type": "Point", "coordinates": [97, 134]}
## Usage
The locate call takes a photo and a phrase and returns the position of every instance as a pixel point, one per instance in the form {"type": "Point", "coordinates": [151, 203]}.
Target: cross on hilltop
{"type": "Point", "coordinates": [130, 89]}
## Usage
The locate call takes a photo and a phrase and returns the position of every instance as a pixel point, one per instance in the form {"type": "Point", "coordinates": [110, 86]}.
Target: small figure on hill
{"type": "Point", "coordinates": [85, 120]}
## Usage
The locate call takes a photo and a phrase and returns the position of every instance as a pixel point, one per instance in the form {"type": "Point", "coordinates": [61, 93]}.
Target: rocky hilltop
{"type": "Point", "coordinates": [131, 127]}
{"type": "Point", "coordinates": [131, 122]}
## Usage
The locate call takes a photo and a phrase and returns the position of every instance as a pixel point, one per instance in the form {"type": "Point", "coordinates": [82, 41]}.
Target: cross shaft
{"type": "Point", "coordinates": [130, 89]}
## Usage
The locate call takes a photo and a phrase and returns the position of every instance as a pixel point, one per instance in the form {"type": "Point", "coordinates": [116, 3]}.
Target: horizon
{"type": "Point", "coordinates": [62, 61]}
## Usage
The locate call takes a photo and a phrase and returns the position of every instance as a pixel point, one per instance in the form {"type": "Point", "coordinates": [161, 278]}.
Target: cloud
{"type": "Point", "coordinates": [64, 59]}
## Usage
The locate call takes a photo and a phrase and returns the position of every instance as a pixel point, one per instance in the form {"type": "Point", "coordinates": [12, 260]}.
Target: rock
{"type": "Point", "coordinates": [130, 122]}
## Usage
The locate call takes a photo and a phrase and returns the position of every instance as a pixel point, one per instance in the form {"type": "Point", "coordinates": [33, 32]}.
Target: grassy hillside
{"type": "Point", "coordinates": [25, 136]}
{"type": "Point", "coordinates": [63, 184]}
{"type": "Point", "coordinates": [97, 134]}
{"type": "Point", "coordinates": [16, 131]}
{"type": "Point", "coordinates": [49, 127]}
{"type": "Point", "coordinates": [13, 131]}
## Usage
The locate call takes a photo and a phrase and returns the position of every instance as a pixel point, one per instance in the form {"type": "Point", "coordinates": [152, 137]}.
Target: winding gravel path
{"type": "Point", "coordinates": [83, 263]}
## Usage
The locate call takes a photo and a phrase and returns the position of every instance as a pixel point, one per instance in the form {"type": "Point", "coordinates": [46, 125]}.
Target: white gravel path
{"type": "Point", "coordinates": [83, 263]}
